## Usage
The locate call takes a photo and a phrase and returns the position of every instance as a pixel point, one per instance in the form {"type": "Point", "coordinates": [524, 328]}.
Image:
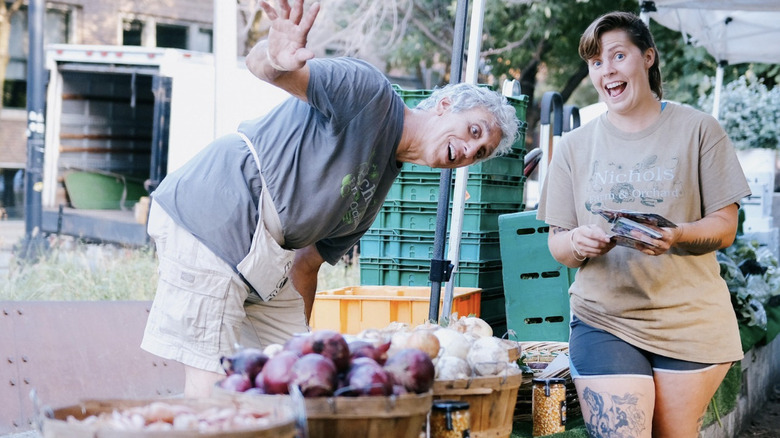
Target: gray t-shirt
{"type": "Point", "coordinates": [328, 164]}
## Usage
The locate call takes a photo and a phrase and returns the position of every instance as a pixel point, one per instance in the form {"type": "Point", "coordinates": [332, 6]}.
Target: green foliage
{"type": "Point", "coordinates": [748, 112]}
{"type": "Point", "coordinates": [537, 41]}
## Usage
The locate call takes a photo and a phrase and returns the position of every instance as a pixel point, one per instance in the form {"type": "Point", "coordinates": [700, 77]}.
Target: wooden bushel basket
{"type": "Point", "coordinates": [281, 424]}
{"type": "Point", "coordinates": [400, 416]}
{"type": "Point", "coordinates": [397, 416]}
{"type": "Point", "coordinates": [491, 402]}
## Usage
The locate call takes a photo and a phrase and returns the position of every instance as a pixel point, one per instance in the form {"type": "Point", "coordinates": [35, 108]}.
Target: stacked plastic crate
{"type": "Point", "coordinates": [398, 248]}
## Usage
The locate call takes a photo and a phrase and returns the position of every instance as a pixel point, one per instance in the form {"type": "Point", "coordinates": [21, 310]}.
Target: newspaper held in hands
{"type": "Point", "coordinates": [630, 227]}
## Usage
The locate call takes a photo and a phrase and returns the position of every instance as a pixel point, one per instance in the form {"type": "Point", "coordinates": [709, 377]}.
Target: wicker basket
{"type": "Point", "coordinates": [281, 423]}
{"type": "Point", "coordinates": [491, 401]}
{"type": "Point", "coordinates": [537, 355]}
{"type": "Point", "coordinates": [401, 416]}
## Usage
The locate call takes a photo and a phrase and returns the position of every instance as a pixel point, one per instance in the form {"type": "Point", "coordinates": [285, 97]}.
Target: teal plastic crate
{"type": "Point", "coordinates": [415, 272]}
{"type": "Point", "coordinates": [421, 216]}
{"type": "Point", "coordinates": [479, 188]}
{"type": "Point", "coordinates": [536, 286]}
{"type": "Point", "coordinates": [410, 244]}
{"type": "Point", "coordinates": [521, 105]}
{"type": "Point", "coordinates": [493, 311]}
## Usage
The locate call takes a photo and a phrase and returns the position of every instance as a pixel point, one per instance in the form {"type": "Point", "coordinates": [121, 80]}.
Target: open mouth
{"type": "Point", "coordinates": [450, 152]}
{"type": "Point", "coordinates": [615, 88]}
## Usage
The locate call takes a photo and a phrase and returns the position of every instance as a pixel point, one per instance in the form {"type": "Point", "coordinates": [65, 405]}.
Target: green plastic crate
{"type": "Point", "coordinates": [415, 272]}
{"type": "Point", "coordinates": [421, 216]}
{"type": "Point", "coordinates": [536, 286]}
{"type": "Point", "coordinates": [493, 311]}
{"type": "Point", "coordinates": [410, 244]}
{"type": "Point", "coordinates": [521, 105]}
{"type": "Point", "coordinates": [479, 188]}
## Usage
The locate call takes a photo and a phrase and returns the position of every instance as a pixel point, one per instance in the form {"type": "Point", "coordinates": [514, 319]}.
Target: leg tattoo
{"type": "Point", "coordinates": [613, 416]}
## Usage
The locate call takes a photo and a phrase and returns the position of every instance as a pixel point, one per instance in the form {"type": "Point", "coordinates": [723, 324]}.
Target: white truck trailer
{"type": "Point", "coordinates": [121, 116]}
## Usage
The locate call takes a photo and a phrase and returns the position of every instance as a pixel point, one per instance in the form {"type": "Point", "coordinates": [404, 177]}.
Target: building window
{"type": "Point", "coordinates": [149, 32]}
{"type": "Point", "coordinates": [132, 32]}
{"type": "Point", "coordinates": [171, 35]}
{"type": "Point", "coordinates": [57, 30]}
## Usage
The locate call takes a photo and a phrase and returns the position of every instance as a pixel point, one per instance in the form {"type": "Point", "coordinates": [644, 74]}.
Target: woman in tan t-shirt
{"type": "Point", "coordinates": [653, 332]}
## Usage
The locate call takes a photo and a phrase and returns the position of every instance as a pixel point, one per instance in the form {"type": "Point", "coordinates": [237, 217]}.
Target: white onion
{"type": "Point", "coordinates": [425, 340]}
{"type": "Point", "coordinates": [488, 356]}
{"type": "Point", "coordinates": [453, 343]}
{"type": "Point", "coordinates": [452, 368]}
{"type": "Point", "coordinates": [398, 342]}
{"type": "Point", "coordinates": [477, 326]}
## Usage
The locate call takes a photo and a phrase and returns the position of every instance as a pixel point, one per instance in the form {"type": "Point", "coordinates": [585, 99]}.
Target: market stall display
{"type": "Point", "coordinates": [472, 366]}
{"type": "Point", "coordinates": [342, 385]}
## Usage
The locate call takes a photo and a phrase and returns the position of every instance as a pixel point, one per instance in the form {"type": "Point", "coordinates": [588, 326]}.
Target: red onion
{"type": "Point", "coordinates": [236, 383]}
{"type": "Point", "coordinates": [297, 343]}
{"type": "Point", "coordinates": [247, 361]}
{"type": "Point", "coordinates": [315, 375]}
{"type": "Point", "coordinates": [412, 369]}
{"type": "Point", "coordinates": [361, 348]}
{"type": "Point", "coordinates": [367, 377]}
{"type": "Point", "coordinates": [277, 372]}
{"type": "Point", "coordinates": [330, 344]}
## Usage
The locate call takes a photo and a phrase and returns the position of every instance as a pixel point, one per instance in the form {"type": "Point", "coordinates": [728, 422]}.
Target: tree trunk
{"type": "Point", "coordinates": [574, 81]}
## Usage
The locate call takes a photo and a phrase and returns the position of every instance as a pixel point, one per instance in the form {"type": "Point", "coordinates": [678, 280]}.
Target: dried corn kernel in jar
{"type": "Point", "coordinates": [548, 398]}
{"type": "Point", "coordinates": [450, 419]}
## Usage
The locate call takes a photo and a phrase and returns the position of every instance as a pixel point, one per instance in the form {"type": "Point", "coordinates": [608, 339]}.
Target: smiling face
{"type": "Point", "coordinates": [620, 72]}
{"type": "Point", "coordinates": [461, 138]}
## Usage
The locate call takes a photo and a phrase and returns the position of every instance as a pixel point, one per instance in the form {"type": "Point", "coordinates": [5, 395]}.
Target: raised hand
{"type": "Point", "coordinates": [289, 33]}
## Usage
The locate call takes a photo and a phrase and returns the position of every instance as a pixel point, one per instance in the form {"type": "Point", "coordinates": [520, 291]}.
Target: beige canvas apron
{"type": "Point", "coordinates": [267, 265]}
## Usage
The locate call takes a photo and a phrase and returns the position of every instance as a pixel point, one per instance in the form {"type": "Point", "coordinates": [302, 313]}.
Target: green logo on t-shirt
{"type": "Point", "coordinates": [359, 187]}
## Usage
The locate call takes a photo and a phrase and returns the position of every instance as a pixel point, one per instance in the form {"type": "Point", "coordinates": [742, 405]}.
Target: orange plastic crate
{"type": "Point", "coordinates": [351, 310]}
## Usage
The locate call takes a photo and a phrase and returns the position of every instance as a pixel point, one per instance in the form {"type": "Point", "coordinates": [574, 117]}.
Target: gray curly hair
{"type": "Point", "coordinates": [465, 96]}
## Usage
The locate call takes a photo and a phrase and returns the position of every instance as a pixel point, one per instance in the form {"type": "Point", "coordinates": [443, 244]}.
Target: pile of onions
{"type": "Point", "coordinates": [322, 364]}
{"type": "Point", "coordinates": [466, 348]}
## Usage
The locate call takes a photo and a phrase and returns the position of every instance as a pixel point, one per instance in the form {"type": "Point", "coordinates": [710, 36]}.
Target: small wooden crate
{"type": "Point", "coordinates": [491, 401]}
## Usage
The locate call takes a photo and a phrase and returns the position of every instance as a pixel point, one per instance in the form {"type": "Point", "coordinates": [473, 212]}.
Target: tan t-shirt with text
{"type": "Point", "coordinates": [682, 167]}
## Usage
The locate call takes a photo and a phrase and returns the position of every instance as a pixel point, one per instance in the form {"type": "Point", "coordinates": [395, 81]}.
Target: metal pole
{"type": "Point", "coordinates": [552, 104]}
{"type": "Point", "coordinates": [440, 268]}
{"type": "Point", "coordinates": [718, 87]}
{"type": "Point", "coordinates": [462, 173]}
{"type": "Point", "coordinates": [36, 126]}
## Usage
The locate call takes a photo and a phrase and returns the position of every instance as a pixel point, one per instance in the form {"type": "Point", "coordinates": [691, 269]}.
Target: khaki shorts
{"type": "Point", "coordinates": [203, 310]}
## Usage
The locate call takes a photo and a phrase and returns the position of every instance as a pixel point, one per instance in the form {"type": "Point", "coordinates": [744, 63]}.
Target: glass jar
{"type": "Point", "coordinates": [450, 419]}
{"type": "Point", "coordinates": [549, 406]}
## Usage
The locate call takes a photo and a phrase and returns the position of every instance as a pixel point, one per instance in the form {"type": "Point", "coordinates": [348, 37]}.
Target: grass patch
{"type": "Point", "coordinates": [70, 271]}
{"type": "Point", "coordinates": [73, 271]}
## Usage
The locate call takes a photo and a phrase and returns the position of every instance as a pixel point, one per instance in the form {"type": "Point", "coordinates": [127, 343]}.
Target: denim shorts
{"type": "Point", "coordinates": [595, 352]}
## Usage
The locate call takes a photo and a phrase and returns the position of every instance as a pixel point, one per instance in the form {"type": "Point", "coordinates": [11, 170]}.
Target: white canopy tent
{"type": "Point", "coordinates": [732, 31]}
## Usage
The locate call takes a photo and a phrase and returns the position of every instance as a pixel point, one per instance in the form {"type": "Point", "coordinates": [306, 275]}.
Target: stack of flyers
{"type": "Point", "coordinates": [630, 227]}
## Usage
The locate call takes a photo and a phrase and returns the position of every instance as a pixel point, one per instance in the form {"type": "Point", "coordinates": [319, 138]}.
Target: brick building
{"type": "Point", "coordinates": [185, 24]}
